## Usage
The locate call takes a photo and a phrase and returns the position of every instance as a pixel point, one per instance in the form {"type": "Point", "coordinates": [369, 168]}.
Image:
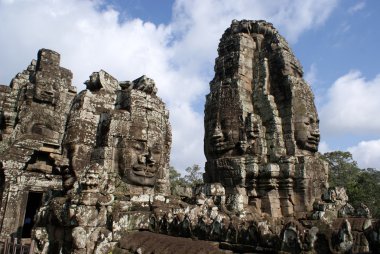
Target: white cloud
{"type": "Point", "coordinates": [345, 27]}
{"type": "Point", "coordinates": [357, 7]}
{"type": "Point", "coordinates": [367, 153]}
{"type": "Point", "coordinates": [352, 105]}
{"type": "Point", "coordinates": [351, 108]}
{"type": "Point", "coordinates": [201, 23]}
{"type": "Point", "coordinates": [323, 147]}
{"type": "Point", "coordinates": [87, 39]}
{"type": "Point", "coordinates": [178, 56]}
{"type": "Point", "coordinates": [311, 74]}
{"type": "Point", "coordinates": [187, 136]}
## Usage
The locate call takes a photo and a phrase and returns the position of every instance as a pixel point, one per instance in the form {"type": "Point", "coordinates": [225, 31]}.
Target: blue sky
{"type": "Point", "coordinates": [175, 43]}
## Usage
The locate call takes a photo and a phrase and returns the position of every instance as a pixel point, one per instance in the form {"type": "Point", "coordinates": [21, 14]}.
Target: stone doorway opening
{"type": "Point", "coordinates": [32, 205]}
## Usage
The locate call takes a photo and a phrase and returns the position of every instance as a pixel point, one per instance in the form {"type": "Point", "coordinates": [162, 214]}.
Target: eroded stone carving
{"type": "Point", "coordinates": [100, 148]}
{"type": "Point", "coordinates": [103, 165]}
{"type": "Point", "coordinates": [34, 111]}
{"type": "Point", "coordinates": [142, 153]}
{"type": "Point", "coordinates": [121, 154]}
{"type": "Point", "coordinates": [261, 124]}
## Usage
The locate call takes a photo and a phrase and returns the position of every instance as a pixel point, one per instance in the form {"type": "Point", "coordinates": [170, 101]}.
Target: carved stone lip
{"type": "Point", "coordinates": [142, 171]}
{"type": "Point", "coordinates": [313, 141]}
{"type": "Point", "coordinates": [217, 142]}
{"type": "Point", "coordinates": [220, 146]}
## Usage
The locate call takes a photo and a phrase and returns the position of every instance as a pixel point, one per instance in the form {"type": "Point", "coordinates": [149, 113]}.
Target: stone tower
{"type": "Point", "coordinates": [33, 114]}
{"type": "Point", "coordinates": [261, 124]}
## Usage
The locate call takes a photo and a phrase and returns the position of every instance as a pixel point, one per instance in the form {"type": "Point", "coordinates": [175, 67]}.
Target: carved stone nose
{"type": "Point", "coordinates": [149, 159]}
{"type": "Point", "coordinates": [217, 134]}
{"type": "Point", "coordinates": [142, 159]}
{"type": "Point", "coordinates": [146, 159]}
{"type": "Point", "coordinates": [316, 133]}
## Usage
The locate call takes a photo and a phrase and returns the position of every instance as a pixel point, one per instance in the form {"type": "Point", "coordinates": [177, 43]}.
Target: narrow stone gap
{"type": "Point", "coordinates": [33, 204]}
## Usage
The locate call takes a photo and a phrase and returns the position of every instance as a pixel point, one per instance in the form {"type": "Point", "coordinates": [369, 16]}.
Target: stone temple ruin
{"type": "Point", "coordinates": [88, 172]}
{"type": "Point", "coordinates": [79, 157]}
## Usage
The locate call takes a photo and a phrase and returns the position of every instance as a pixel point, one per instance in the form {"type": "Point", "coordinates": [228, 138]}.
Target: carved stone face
{"type": "Point", "coordinates": [223, 125]}
{"type": "Point", "coordinates": [90, 182]}
{"type": "Point", "coordinates": [142, 162]}
{"type": "Point", "coordinates": [144, 154]}
{"type": "Point", "coordinates": [230, 136]}
{"type": "Point", "coordinates": [306, 126]}
{"type": "Point", "coordinates": [222, 138]}
{"type": "Point", "coordinates": [45, 92]}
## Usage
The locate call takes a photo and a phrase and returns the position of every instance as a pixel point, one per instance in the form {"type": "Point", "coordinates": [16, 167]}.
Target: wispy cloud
{"type": "Point", "coordinates": [367, 153]}
{"type": "Point", "coordinates": [352, 103]}
{"type": "Point", "coordinates": [351, 108]}
{"type": "Point", "coordinates": [345, 28]}
{"type": "Point", "coordinates": [311, 74]}
{"type": "Point", "coordinates": [357, 7]}
{"type": "Point", "coordinates": [324, 147]}
{"type": "Point", "coordinates": [179, 56]}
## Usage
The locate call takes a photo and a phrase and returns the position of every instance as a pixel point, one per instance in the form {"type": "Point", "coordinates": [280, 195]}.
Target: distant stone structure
{"type": "Point", "coordinates": [89, 172]}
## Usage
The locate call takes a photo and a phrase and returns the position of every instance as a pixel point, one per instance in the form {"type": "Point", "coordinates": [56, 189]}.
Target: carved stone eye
{"type": "Point", "coordinates": [156, 150]}
{"type": "Point", "coordinates": [138, 147]}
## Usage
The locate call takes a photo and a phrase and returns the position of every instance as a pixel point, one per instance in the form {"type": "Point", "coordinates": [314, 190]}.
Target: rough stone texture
{"type": "Point", "coordinates": [33, 115]}
{"type": "Point", "coordinates": [101, 157]}
{"type": "Point", "coordinates": [93, 155]}
{"type": "Point", "coordinates": [261, 125]}
{"type": "Point", "coordinates": [125, 130]}
{"type": "Point", "coordinates": [117, 161]}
